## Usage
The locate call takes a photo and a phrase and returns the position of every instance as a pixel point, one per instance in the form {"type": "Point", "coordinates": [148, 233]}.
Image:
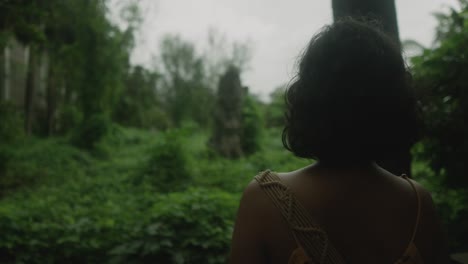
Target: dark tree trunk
{"type": "Point", "coordinates": [30, 90]}
{"type": "Point", "coordinates": [226, 138]}
{"type": "Point", "coordinates": [385, 12]}
{"type": "Point", "coordinates": [51, 99]}
{"type": "Point", "coordinates": [2, 74]}
{"type": "Point", "coordinates": [381, 10]}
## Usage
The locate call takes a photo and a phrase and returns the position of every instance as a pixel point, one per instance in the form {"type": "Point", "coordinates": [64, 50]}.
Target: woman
{"type": "Point", "coordinates": [350, 105]}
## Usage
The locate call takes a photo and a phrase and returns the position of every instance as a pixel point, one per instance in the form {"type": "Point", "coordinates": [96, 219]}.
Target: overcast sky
{"type": "Point", "coordinates": [277, 29]}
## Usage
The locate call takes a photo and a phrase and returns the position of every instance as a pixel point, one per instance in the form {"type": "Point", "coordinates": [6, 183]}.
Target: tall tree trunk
{"type": "Point", "coordinates": [51, 98]}
{"type": "Point", "coordinates": [7, 74]}
{"type": "Point", "coordinates": [226, 138]}
{"type": "Point", "coordinates": [2, 73]}
{"type": "Point", "coordinates": [385, 12]}
{"type": "Point", "coordinates": [30, 89]}
{"type": "Point", "coordinates": [381, 10]}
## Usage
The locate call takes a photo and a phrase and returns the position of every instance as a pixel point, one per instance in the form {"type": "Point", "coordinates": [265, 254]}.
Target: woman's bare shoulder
{"type": "Point", "coordinates": [252, 225]}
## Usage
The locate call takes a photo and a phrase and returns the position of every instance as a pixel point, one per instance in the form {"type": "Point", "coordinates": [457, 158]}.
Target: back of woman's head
{"type": "Point", "coordinates": [351, 99]}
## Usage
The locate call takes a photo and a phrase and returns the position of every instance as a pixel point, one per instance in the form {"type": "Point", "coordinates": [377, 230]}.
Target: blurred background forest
{"type": "Point", "coordinates": [105, 161]}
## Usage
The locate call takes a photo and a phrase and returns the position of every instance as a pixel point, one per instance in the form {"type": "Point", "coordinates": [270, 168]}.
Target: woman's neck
{"type": "Point", "coordinates": [351, 169]}
{"type": "Point", "coordinates": [346, 164]}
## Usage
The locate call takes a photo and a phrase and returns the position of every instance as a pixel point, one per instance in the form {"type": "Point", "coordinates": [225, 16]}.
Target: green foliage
{"type": "Point", "coordinates": [214, 171]}
{"type": "Point", "coordinates": [167, 165]}
{"type": "Point", "coordinates": [152, 197]}
{"type": "Point", "coordinates": [441, 78]}
{"type": "Point", "coordinates": [155, 118]}
{"type": "Point", "coordinates": [187, 94]}
{"type": "Point", "coordinates": [86, 210]}
{"type": "Point", "coordinates": [104, 53]}
{"type": "Point", "coordinates": [11, 125]}
{"type": "Point", "coordinates": [252, 125]}
{"type": "Point", "coordinates": [23, 19]}
{"type": "Point", "coordinates": [451, 204]}
{"type": "Point", "coordinates": [441, 75]}
{"type": "Point", "coordinates": [138, 105]}
{"type": "Point", "coordinates": [92, 211]}
{"type": "Point", "coordinates": [190, 227]}
{"type": "Point", "coordinates": [275, 110]}
{"type": "Point", "coordinates": [80, 209]}
{"type": "Point", "coordinates": [88, 55]}
{"type": "Point", "coordinates": [91, 131]}
{"type": "Point", "coordinates": [70, 117]}
{"type": "Point", "coordinates": [25, 163]}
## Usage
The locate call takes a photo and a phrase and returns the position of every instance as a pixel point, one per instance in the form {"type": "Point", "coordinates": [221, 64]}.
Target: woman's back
{"type": "Point", "coordinates": [368, 214]}
{"type": "Point", "coordinates": [350, 105]}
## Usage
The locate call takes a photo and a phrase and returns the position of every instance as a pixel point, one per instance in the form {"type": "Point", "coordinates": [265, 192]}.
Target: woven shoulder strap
{"type": "Point", "coordinates": [309, 235]}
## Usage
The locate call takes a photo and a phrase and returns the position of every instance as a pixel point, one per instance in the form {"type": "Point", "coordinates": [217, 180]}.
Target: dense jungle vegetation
{"type": "Point", "coordinates": [109, 162]}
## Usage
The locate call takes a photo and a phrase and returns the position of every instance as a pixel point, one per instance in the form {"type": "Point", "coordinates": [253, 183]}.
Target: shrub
{"type": "Point", "coordinates": [151, 117]}
{"type": "Point", "coordinates": [155, 118]}
{"type": "Point", "coordinates": [167, 167]}
{"type": "Point", "coordinates": [25, 164]}
{"type": "Point", "coordinates": [11, 124]}
{"type": "Point", "coordinates": [211, 170]}
{"type": "Point", "coordinates": [190, 227]}
{"type": "Point", "coordinates": [252, 125]}
{"type": "Point", "coordinates": [69, 118]}
{"type": "Point", "coordinates": [91, 131]}
{"type": "Point", "coordinates": [275, 110]}
{"type": "Point", "coordinates": [92, 211]}
{"type": "Point", "coordinates": [451, 203]}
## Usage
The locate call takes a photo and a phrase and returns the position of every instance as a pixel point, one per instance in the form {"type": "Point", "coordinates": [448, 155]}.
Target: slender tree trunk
{"type": "Point", "coordinates": [30, 89]}
{"type": "Point", "coordinates": [2, 73]}
{"type": "Point", "coordinates": [7, 73]}
{"type": "Point", "coordinates": [51, 98]}
{"type": "Point", "coordinates": [385, 12]}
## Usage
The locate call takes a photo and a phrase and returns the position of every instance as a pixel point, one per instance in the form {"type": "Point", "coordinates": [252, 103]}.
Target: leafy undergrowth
{"type": "Point", "coordinates": [451, 204]}
{"type": "Point", "coordinates": [114, 204]}
{"type": "Point", "coordinates": [141, 197]}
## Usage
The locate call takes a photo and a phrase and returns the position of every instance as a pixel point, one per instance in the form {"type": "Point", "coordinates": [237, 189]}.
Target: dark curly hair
{"type": "Point", "coordinates": [352, 99]}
